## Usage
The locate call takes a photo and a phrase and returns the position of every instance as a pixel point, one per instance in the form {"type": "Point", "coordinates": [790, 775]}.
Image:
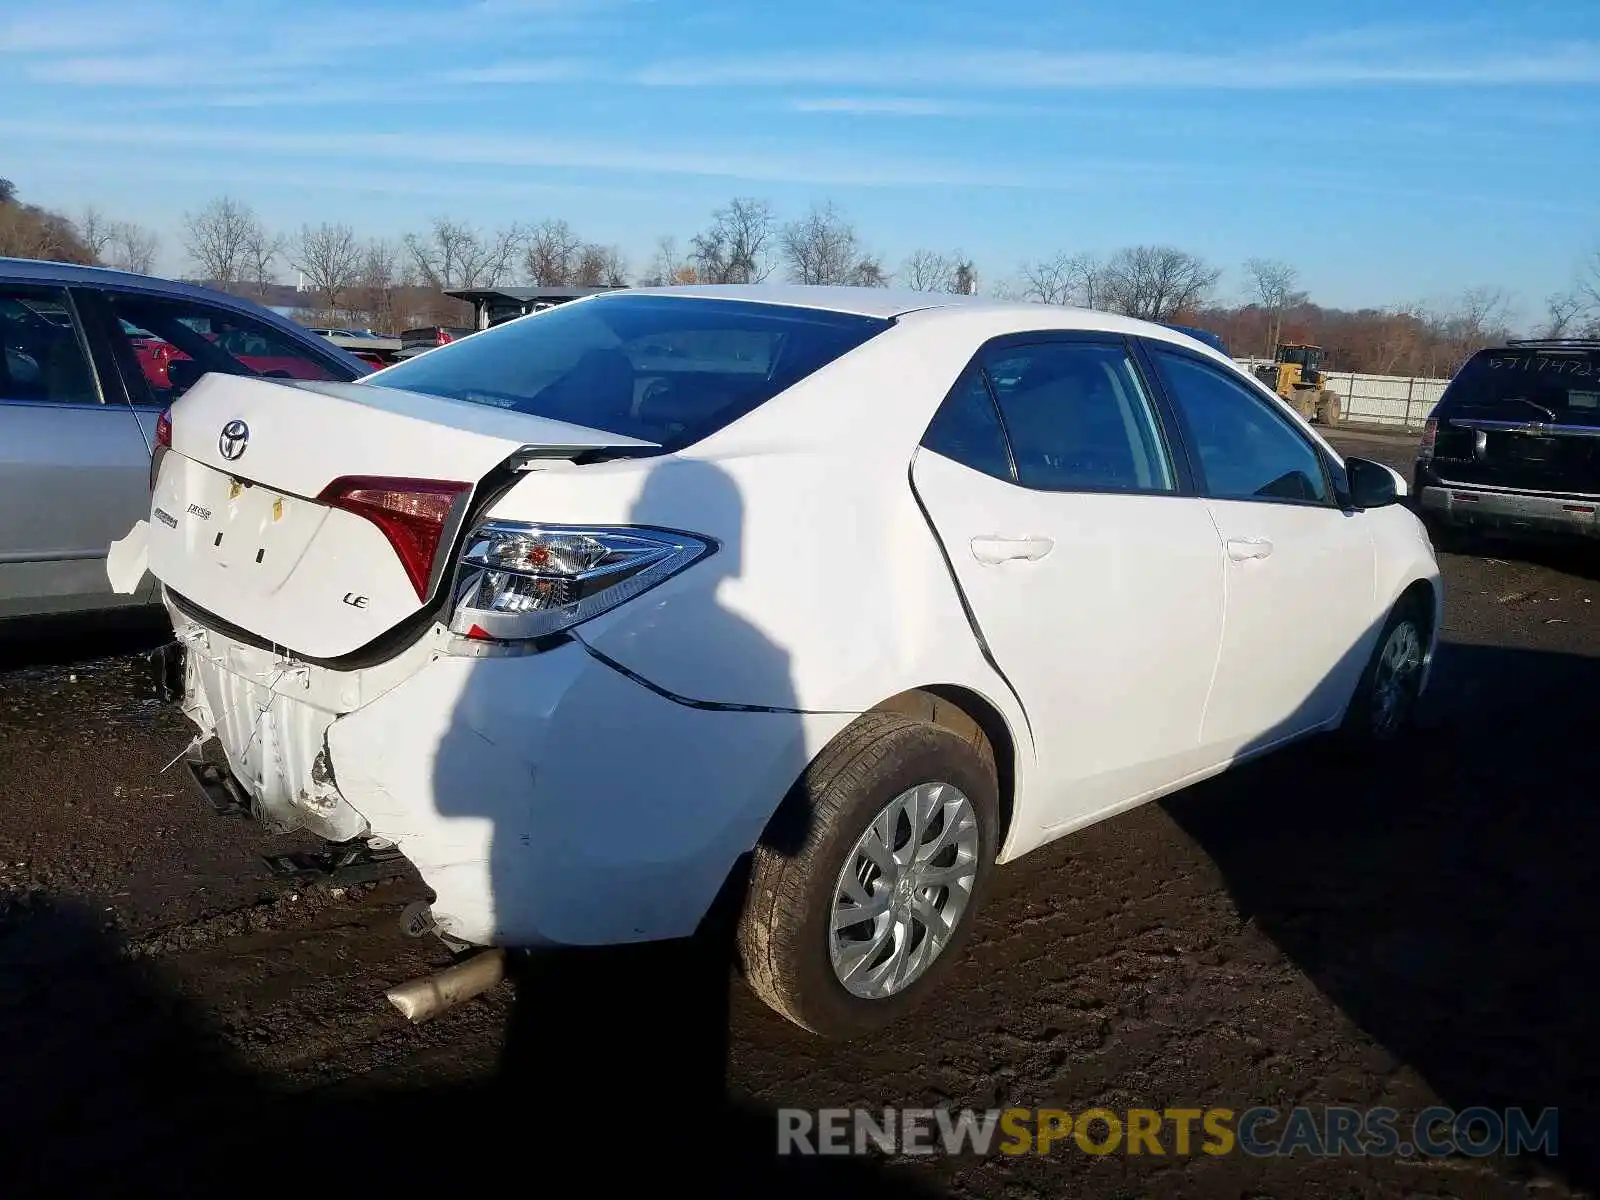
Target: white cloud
{"type": "Point", "coordinates": [754, 165]}
{"type": "Point", "coordinates": [909, 106]}
{"type": "Point", "coordinates": [545, 71]}
{"type": "Point", "coordinates": [1576, 62]}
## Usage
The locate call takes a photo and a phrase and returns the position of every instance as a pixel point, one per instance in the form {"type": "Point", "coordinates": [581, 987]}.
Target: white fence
{"type": "Point", "coordinates": [1400, 400]}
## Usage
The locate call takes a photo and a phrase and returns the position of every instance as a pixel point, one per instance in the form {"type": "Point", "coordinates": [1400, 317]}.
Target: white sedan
{"type": "Point", "coordinates": [830, 600]}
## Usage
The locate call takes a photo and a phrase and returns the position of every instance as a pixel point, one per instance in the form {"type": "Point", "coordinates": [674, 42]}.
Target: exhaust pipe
{"type": "Point", "coordinates": [431, 995]}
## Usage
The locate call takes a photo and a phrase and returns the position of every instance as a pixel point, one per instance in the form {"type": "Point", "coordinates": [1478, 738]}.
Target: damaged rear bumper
{"type": "Point", "coordinates": [547, 799]}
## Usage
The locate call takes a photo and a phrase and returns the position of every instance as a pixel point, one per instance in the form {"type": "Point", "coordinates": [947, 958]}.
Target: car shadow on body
{"type": "Point", "coordinates": [634, 1039]}
{"type": "Point", "coordinates": [1443, 894]}
{"type": "Point", "coordinates": [614, 1061]}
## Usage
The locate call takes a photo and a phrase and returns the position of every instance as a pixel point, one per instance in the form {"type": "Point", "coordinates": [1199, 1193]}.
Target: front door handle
{"type": "Point", "coordinates": [995, 550]}
{"type": "Point", "coordinates": [1244, 549]}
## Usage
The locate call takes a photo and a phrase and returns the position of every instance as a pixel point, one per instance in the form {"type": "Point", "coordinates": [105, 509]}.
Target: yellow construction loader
{"type": "Point", "coordinates": [1296, 374]}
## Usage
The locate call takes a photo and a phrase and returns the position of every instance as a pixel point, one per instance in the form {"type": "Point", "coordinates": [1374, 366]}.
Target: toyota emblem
{"type": "Point", "coordinates": [235, 437]}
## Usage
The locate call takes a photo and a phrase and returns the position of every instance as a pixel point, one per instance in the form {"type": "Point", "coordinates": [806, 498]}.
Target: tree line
{"type": "Point", "coordinates": [389, 283]}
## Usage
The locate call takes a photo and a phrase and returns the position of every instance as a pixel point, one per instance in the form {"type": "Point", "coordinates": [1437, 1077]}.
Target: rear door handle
{"type": "Point", "coordinates": [1244, 549]}
{"type": "Point", "coordinates": [995, 550]}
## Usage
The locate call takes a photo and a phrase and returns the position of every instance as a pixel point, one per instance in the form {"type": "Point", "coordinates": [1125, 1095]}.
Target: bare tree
{"type": "Point", "coordinates": [737, 246]}
{"type": "Point", "coordinates": [552, 253]}
{"type": "Point", "coordinates": [1272, 284]}
{"type": "Point", "coordinates": [1078, 279]}
{"type": "Point", "coordinates": [1156, 283]}
{"type": "Point", "coordinates": [454, 255]}
{"type": "Point", "coordinates": [330, 258]}
{"type": "Point", "coordinates": [822, 247]}
{"type": "Point", "coordinates": [8, 192]}
{"type": "Point", "coordinates": [668, 266]}
{"type": "Point", "coordinates": [133, 247]}
{"type": "Point", "coordinates": [377, 292]}
{"type": "Point", "coordinates": [216, 237]}
{"type": "Point", "coordinates": [600, 266]}
{"type": "Point", "coordinates": [95, 230]}
{"type": "Point", "coordinates": [927, 271]}
{"type": "Point", "coordinates": [261, 250]}
{"type": "Point", "coordinates": [1047, 280]}
{"type": "Point", "coordinates": [1563, 311]}
{"type": "Point", "coordinates": [963, 276]}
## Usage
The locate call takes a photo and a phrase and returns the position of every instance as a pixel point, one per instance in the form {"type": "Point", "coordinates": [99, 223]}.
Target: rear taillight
{"type": "Point", "coordinates": [1430, 433]}
{"type": "Point", "coordinates": [522, 581]}
{"type": "Point", "coordinates": [444, 337]}
{"type": "Point", "coordinates": [163, 444]}
{"type": "Point", "coordinates": [412, 513]}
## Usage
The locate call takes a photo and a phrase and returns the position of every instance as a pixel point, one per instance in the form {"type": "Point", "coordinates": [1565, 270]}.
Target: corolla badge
{"type": "Point", "coordinates": [235, 437]}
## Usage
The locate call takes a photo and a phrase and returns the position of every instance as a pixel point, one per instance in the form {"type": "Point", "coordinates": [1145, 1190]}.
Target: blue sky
{"type": "Point", "coordinates": [1394, 153]}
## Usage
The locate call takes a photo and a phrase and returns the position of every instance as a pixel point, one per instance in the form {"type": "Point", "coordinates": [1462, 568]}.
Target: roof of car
{"type": "Point", "coordinates": [860, 301]}
{"type": "Point", "coordinates": [33, 270]}
{"type": "Point", "coordinates": [59, 274]}
{"type": "Point", "coordinates": [886, 303]}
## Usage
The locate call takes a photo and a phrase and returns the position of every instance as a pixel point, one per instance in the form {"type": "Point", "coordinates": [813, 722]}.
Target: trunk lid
{"type": "Point", "coordinates": [1527, 419]}
{"type": "Point", "coordinates": [318, 516]}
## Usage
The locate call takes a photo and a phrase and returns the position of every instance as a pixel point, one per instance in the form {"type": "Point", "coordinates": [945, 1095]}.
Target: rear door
{"type": "Point", "coordinates": [1093, 574]}
{"type": "Point", "coordinates": [74, 469]}
{"type": "Point", "coordinates": [1525, 418]}
{"type": "Point", "coordinates": [1300, 570]}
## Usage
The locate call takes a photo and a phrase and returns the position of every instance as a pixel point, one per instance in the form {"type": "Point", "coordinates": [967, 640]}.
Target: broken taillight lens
{"type": "Point", "coordinates": [412, 513]}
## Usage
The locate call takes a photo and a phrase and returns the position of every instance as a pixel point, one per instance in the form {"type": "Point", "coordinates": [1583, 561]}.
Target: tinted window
{"type": "Point", "coordinates": [1078, 418]}
{"type": "Point", "coordinates": [42, 356]}
{"type": "Point", "coordinates": [1247, 450]}
{"type": "Point", "coordinates": [1562, 386]}
{"type": "Point", "coordinates": [967, 429]}
{"type": "Point", "coordinates": [670, 370]}
{"type": "Point", "coordinates": [174, 342]}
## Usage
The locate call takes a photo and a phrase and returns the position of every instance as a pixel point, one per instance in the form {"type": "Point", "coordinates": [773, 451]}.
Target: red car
{"type": "Point", "coordinates": [250, 350]}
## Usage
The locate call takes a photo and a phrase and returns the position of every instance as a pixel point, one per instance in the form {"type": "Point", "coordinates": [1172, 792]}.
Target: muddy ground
{"type": "Point", "coordinates": [175, 1019]}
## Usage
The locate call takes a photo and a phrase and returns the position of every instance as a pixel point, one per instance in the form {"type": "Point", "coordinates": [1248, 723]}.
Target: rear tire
{"type": "Point", "coordinates": [824, 857]}
{"type": "Point", "coordinates": [1386, 696]}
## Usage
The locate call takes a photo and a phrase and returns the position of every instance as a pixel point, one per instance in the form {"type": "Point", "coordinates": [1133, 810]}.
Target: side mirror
{"type": "Point", "coordinates": [1373, 485]}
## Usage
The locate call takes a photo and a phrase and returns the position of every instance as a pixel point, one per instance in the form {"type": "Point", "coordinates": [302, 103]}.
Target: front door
{"type": "Point", "coordinates": [1300, 569]}
{"type": "Point", "coordinates": [1095, 582]}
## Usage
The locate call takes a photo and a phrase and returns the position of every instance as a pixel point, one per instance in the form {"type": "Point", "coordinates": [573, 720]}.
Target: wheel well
{"type": "Point", "coordinates": [968, 714]}
{"type": "Point", "coordinates": [1420, 595]}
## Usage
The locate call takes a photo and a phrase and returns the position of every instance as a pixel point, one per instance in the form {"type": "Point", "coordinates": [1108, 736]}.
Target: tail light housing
{"type": "Point", "coordinates": [520, 581]}
{"type": "Point", "coordinates": [412, 514]}
{"type": "Point", "coordinates": [1430, 434]}
{"type": "Point", "coordinates": [162, 445]}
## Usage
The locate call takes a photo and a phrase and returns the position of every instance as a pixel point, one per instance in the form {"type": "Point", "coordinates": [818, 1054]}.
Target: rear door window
{"type": "Point", "coordinates": [1078, 418]}
{"type": "Point", "coordinates": [41, 351]}
{"type": "Point", "coordinates": [174, 342]}
{"type": "Point", "coordinates": [669, 370]}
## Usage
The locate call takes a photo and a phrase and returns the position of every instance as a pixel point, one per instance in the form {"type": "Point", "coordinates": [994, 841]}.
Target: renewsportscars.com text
{"type": "Point", "coordinates": [1318, 1132]}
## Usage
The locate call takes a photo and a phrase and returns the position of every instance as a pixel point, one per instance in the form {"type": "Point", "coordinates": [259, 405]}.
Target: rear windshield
{"type": "Point", "coordinates": [664, 369]}
{"type": "Point", "coordinates": [1533, 385]}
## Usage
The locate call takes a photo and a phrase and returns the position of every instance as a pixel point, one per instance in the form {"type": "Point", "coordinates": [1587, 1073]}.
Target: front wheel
{"type": "Point", "coordinates": [865, 896]}
{"type": "Point", "coordinates": [1386, 696]}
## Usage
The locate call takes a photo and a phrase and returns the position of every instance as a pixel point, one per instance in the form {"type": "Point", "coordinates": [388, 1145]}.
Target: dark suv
{"type": "Point", "coordinates": [1514, 443]}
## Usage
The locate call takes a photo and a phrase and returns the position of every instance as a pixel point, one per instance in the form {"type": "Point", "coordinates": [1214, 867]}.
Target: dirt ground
{"type": "Point", "coordinates": [175, 1019]}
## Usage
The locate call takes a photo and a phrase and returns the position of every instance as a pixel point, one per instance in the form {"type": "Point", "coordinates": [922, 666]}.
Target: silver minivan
{"type": "Point", "coordinates": [91, 358]}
